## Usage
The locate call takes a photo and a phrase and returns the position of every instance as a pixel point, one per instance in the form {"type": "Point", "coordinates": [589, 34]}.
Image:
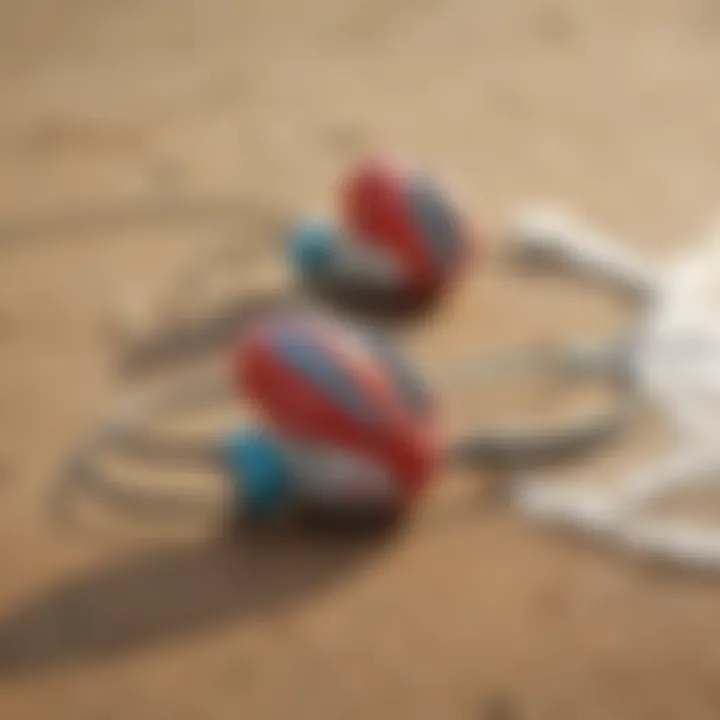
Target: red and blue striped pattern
{"type": "Point", "coordinates": [321, 382]}
{"type": "Point", "coordinates": [409, 216]}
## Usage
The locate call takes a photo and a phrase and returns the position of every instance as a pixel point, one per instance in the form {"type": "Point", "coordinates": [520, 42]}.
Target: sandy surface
{"type": "Point", "coordinates": [135, 132]}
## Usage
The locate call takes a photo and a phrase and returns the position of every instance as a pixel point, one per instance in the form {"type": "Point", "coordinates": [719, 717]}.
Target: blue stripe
{"type": "Point", "coordinates": [258, 473]}
{"type": "Point", "coordinates": [301, 352]}
{"type": "Point", "coordinates": [409, 385]}
{"type": "Point", "coordinates": [436, 221]}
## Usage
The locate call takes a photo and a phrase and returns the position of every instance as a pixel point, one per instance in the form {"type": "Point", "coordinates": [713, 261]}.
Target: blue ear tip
{"type": "Point", "coordinates": [257, 468]}
{"type": "Point", "coordinates": [311, 246]}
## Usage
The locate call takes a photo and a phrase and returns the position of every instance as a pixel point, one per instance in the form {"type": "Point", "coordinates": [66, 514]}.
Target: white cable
{"type": "Point", "coordinates": [679, 353]}
{"type": "Point", "coordinates": [678, 364]}
{"type": "Point", "coordinates": [126, 428]}
{"type": "Point", "coordinates": [551, 236]}
{"type": "Point", "coordinates": [613, 513]}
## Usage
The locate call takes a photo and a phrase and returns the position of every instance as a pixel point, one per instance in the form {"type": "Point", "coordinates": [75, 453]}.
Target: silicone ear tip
{"type": "Point", "coordinates": [311, 247]}
{"type": "Point", "coordinates": [257, 469]}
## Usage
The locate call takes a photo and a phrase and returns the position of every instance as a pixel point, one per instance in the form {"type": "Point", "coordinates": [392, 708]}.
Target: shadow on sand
{"type": "Point", "coordinates": [172, 592]}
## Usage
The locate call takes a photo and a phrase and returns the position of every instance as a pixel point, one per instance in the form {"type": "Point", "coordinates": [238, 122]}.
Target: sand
{"type": "Point", "coordinates": [134, 134]}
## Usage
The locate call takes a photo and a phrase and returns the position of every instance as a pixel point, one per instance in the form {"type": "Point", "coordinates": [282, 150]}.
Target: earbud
{"type": "Point", "coordinates": [347, 428]}
{"type": "Point", "coordinates": [398, 245]}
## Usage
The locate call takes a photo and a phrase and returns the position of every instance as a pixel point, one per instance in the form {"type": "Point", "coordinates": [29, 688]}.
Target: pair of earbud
{"type": "Point", "coordinates": [347, 434]}
{"type": "Point", "coordinates": [352, 427]}
{"type": "Point", "coordinates": [347, 428]}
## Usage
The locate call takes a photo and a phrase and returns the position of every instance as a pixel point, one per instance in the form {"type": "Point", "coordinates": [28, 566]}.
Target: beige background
{"type": "Point", "coordinates": [132, 133]}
